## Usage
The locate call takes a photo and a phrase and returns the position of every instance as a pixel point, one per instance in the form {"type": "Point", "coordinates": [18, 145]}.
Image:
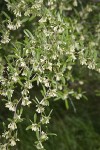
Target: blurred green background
{"type": "Point", "coordinates": [78, 130]}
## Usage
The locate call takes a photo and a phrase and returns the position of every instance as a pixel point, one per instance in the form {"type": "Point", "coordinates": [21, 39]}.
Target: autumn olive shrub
{"type": "Point", "coordinates": [41, 42]}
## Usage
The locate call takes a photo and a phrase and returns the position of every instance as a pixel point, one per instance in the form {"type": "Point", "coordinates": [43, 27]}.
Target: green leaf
{"type": "Point", "coordinates": [28, 33]}
{"type": "Point", "coordinates": [63, 80]}
{"type": "Point", "coordinates": [37, 134]}
{"type": "Point", "coordinates": [56, 99]}
{"type": "Point", "coordinates": [31, 18]}
{"type": "Point", "coordinates": [25, 19]}
{"type": "Point", "coordinates": [21, 110]}
{"type": "Point", "coordinates": [29, 127]}
{"type": "Point", "coordinates": [52, 134]}
{"type": "Point", "coordinates": [6, 15]}
{"type": "Point", "coordinates": [66, 104]}
{"type": "Point", "coordinates": [85, 97]}
{"type": "Point", "coordinates": [35, 117]}
{"type": "Point", "coordinates": [43, 92]}
{"type": "Point", "coordinates": [64, 67]}
{"type": "Point", "coordinates": [9, 64]}
{"type": "Point", "coordinates": [20, 83]}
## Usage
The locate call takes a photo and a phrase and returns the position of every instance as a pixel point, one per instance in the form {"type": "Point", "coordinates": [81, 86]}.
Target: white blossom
{"type": "Point", "coordinates": [11, 26]}
{"type": "Point", "coordinates": [45, 120]}
{"type": "Point", "coordinates": [35, 127]}
{"type": "Point", "coordinates": [40, 109]}
{"type": "Point", "coordinates": [98, 69]}
{"type": "Point", "coordinates": [17, 117]}
{"type": "Point", "coordinates": [22, 64]}
{"type": "Point", "coordinates": [18, 24]}
{"type": "Point", "coordinates": [15, 77]}
{"type": "Point", "coordinates": [69, 67]}
{"type": "Point", "coordinates": [28, 85]}
{"type": "Point", "coordinates": [17, 13]}
{"type": "Point", "coordinates": [5, 38]}
{"type": "Point", "coordinates": [81, 82]}
{"type": "Point", "coordinates": [92, 65]}
{"type": "Point", "coordinates": [10, 105]}
{"type": "Point", "coordinates": [42, 20]}
{"type": "Point", "coordinates": [50, 66]}
{"type": "Point", "coordinates": [44, 102]}
{"type": "Point", "coordinates": [83, 61]}
{"type": "Point", "coordinates": [57, 78]}
{"type": "Point", "coordinates": [25, 92]}
{"type": "Point", "coordinates": [3, 147]}
{"type": "Point", "coordinates": [52, 93]}
{"type": "Point", "coordinates": [78, 96]}
{"type": "Point", "coordinates": [39, 145]}
{"type": "Point", "coordinates": [39, 79]}
{"type": "Point", "coordinates": [46, 82]}
{"type": "Point", "coordinates": [75, 3]}
{"type": "Point", "coordinates": [27, 12]}
{"type": "Point", "coordinates": [12, 126]}
{"type": "Point", "coordinates": [12, 142]}
{"type": "Point", "coordinates": [5, 134]}
{"type": "Point", "coordinates": [25, 101]}
{"type": "Point", "coordinates": [44, 136]}
{"type": "Point", "coordinates": [65, 96]}
{"type": "Point", "coordinates": [73, 57]}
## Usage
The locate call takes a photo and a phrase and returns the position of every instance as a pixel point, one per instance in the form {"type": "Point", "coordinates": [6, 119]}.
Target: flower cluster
{"type": "Point", "coordinates": [42, 48]}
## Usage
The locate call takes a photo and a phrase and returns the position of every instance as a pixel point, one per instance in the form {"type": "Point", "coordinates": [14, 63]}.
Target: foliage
{"type": "Point", "coordinates": [74, 130]}
{"type": "Point", "coordinates": [41, 44]}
